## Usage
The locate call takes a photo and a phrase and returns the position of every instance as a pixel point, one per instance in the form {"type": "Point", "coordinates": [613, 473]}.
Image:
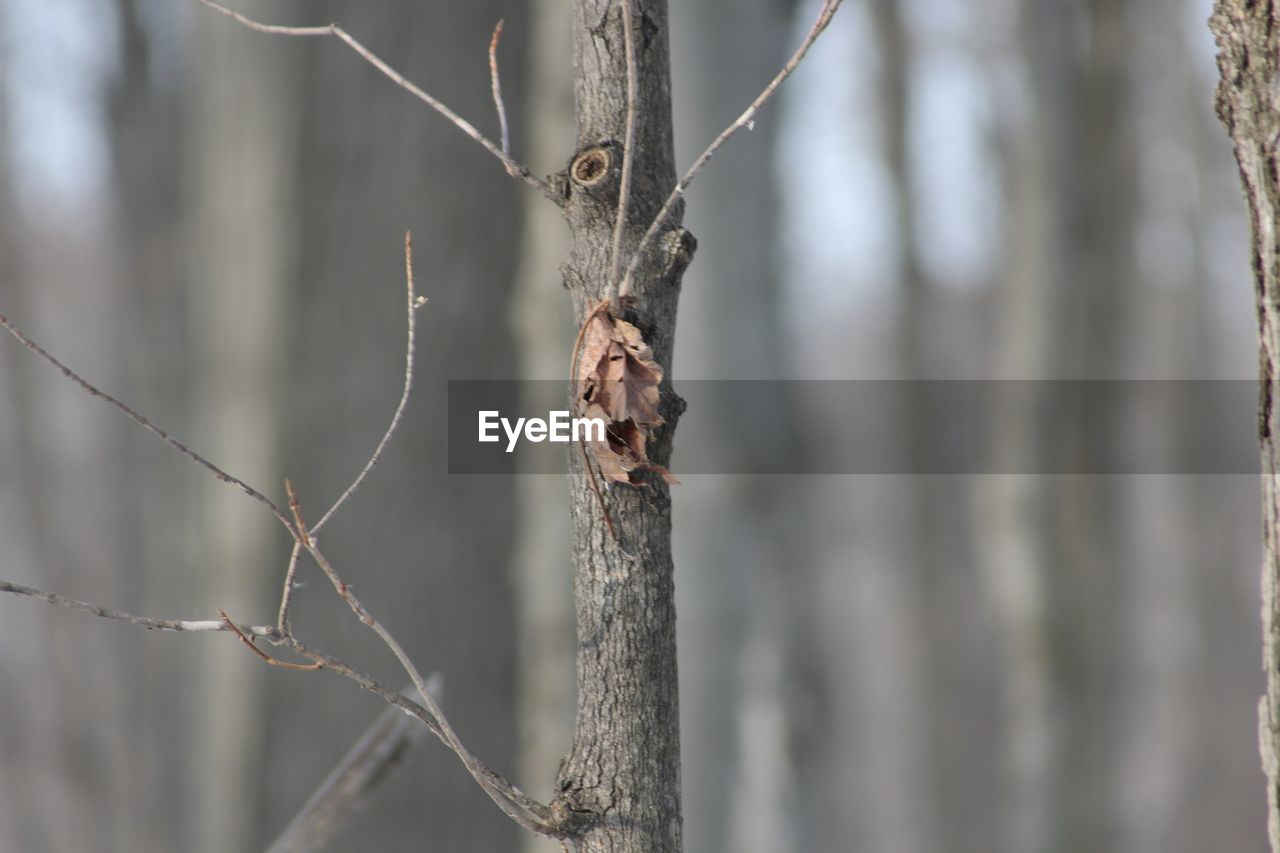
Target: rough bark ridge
{"type": "Point", "coordinates": [1248, 37]}
{"type": "Point", "coordinates": [619, 787]}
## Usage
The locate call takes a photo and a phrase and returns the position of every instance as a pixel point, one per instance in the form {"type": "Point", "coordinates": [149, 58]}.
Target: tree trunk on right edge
{"type": "Point", "coordinates": [1248, 37]}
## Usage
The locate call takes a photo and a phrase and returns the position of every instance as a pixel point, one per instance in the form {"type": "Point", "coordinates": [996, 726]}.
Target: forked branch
{"type": "Point", "coordinates": [747, 118]}
{"type": "Point", "coordinates": [514, 168]}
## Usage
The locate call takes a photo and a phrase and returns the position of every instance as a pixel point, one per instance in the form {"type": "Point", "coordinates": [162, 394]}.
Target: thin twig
{"type": "Point", "coordinates": [495, 83]}
{"type": "Point", "coordinates": [744, 120]}
{"type": "Point", "coordinates": [515, 169]}
{"type": "Point", "coordinates": [286, 594]}
{"type": "Point", "coordinates": [413, 305]}
{"type": "Point", "coordinates": [283, 664]}
{"type": "Point", "coordinates": [413, 302]}
{"type": "Point", "coordinates": [602, 305]}
{"type": "Point", "coordinates": [595, 487]}
{"type": "Point", "coordinates": [94, 391]}
{"type": "Point", "coordinates": [147, 622]}
{"type": "Point", "coordinates": [628, 151]}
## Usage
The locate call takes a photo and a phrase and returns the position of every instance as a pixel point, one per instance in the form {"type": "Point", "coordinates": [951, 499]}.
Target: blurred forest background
{"type": "Point", "coordinates": [207, 222]}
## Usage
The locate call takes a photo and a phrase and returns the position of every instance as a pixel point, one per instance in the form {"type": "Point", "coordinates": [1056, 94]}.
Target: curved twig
{"type": "Point", "coordinates": [628, 150]}
{"type": "Point", "coordinates": [413, 305]}
{"type": "Point", "coordinates": [495, 85]}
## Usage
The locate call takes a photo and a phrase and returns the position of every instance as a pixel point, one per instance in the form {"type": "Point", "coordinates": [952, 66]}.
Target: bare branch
{"type": "Point", "coordinates": [94, 391]}
{"type": "Point", "coordinates": [495, 83]}
{"type": "Point", "coordinates": [147, 622]}
{"type": "Point", "coordinates": [628, 152]}
{"type": "Point", "coordinates": [745, 120]}
{"type": "Point", "coordinates": [515, 169]}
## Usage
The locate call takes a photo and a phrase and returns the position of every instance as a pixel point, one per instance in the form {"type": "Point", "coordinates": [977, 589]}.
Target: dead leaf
{"type": "Point", "coordinates": [617, 381]}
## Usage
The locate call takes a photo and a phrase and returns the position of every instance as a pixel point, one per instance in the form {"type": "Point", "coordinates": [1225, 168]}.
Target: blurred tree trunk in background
{"type": "Point", "coordinates": [143, 128]}
{"type": "Point", "coordinates": [32, 789]}
{"type": "Point", "coordinates": [1053, 547]}
{"type": "Point", "coordinates": [932, 761]}
{"type": "Point", "coordinates": [544, 332]}
{"type": "Point", "coordinates": [1094, 181]}
{"type": "Point", "coordinates": [242, 214]}
{"type": "Point", "coordinates": [744, 573]}
{"type": "Point", "coordinates": [746, 577]}
{"type": "Point", "coordinates": [65, 274]}
{"type": "Point", "coordinates": [1010, 511]}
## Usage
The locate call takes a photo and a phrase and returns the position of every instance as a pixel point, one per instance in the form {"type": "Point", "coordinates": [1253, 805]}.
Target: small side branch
{"type": "Point", "coordinates": [495, 83]}
{"type": "Point", "coordinates": [147, 622]}
{"type": "Point", "coordinates": [283, 664]}
{"type": "Point", "coordinates": [745, 120]}
{"type": "Point", "coordinates": [628, 151]}
{"type": "Point", "coordinates": [514, 169]}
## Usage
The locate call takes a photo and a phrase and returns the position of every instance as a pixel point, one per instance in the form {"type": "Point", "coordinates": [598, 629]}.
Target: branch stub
{"type": "Point", "coordinates": [591, 166]}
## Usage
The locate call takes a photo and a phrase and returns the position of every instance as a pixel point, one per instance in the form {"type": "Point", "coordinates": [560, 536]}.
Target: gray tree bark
{"type": "Point", "coordinates": [620, 784]}
{"type": "Point", "coordinates": [1248, 102]}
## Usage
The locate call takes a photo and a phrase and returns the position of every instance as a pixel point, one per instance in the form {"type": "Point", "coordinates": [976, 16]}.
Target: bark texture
{"type": "Point", "coordinates": [618, 789]}
{"type": "Point", "coordinates": [1248, 32]}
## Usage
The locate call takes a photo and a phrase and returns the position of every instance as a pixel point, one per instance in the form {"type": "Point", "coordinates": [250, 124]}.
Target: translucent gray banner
{"type": "Point", "coordinates": [925, 427]}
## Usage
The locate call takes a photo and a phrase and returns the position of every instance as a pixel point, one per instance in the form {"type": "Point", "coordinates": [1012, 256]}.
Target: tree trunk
{"type": "Point", "coordinates": [620, 784]}
{"type": "Point", "coordinates": [1249, 106]}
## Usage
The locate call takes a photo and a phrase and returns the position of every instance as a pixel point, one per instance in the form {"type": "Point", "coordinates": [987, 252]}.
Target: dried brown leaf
{"type": "Point", "coordinates": [618, 381]}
